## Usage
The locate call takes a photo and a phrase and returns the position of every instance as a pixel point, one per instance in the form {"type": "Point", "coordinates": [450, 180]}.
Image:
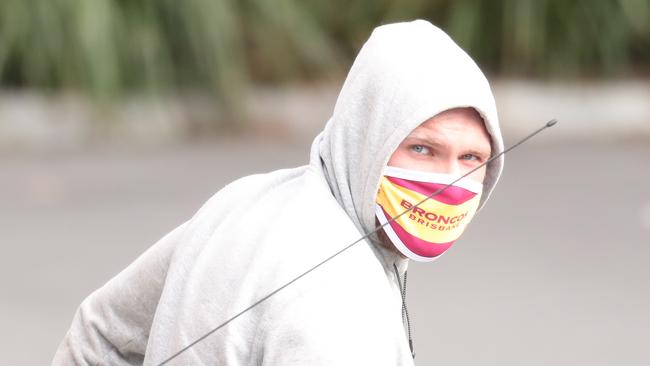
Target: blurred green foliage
{"type": "Point", "coordinates": [112, 47]}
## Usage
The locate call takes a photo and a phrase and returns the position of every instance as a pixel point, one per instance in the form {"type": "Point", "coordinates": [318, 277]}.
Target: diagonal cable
{"type": "Point", "coordinates": [437, 192]}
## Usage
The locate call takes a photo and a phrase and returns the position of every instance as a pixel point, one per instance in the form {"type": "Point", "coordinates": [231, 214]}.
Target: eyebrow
{"type": "Point", "coordinates": [427, 139]}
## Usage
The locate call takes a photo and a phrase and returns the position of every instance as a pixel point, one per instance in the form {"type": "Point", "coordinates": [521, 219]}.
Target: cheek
{"type": "Point", "coordinates": [397, 158]}
{"type": "Point", "coordinates": [479, 175]}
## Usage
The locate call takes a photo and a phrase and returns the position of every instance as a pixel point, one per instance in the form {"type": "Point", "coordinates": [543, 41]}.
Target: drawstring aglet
{"type": "Point", "coordinates": [411, 347]}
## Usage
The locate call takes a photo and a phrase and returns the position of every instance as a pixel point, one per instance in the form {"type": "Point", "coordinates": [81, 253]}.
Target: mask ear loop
{"type": "Point", "coordinates": [266, 297]}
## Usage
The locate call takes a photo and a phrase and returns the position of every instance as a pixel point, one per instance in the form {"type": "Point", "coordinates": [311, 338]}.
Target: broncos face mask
{"type": "Point", "coordinates": [429, 229]}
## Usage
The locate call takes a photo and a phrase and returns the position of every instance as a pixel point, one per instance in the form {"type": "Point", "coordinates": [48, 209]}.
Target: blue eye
{"type": "Point", "coordinates": [469, 157]}
{"type": "Point", "coordinates": [420, 149]}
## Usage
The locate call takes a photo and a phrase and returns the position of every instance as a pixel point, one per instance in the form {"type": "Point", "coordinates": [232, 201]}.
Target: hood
{"type": "Point", "coordinates": [404, 74]}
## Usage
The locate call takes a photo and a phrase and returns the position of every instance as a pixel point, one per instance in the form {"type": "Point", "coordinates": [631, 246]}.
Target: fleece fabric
{"type": "Point", "coordinates": [261, 231]}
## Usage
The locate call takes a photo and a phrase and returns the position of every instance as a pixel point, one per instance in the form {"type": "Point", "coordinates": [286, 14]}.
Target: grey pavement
{"type": "Point", "coordinates": [554, 271]}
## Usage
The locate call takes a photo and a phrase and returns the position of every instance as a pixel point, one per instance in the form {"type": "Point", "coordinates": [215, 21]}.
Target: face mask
{"type": "Point", "coordinates": [427, 231]}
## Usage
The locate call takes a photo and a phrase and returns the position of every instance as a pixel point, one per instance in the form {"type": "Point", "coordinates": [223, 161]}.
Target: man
{"type": "Point", "coordinates": [414, 112]}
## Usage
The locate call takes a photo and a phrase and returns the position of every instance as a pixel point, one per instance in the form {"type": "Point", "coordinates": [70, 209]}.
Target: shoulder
{"type": "Point", "coordinates": [252, 186]}
{"type": "Point", "coordinates": [245, 193]}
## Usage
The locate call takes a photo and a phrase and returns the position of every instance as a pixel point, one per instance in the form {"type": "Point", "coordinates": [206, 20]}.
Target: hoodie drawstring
{"type": "Point", "coordinates": [405, 312]}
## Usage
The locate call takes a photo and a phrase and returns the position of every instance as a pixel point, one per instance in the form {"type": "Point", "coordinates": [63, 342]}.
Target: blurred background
{"type": "Point", "coordinates": [119, 118]}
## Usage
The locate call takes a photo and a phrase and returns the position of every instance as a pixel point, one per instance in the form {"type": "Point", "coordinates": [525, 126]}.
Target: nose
{"type": "Point", "coordinates": [450, 166]}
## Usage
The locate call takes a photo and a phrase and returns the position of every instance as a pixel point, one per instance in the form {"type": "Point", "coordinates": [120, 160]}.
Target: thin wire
{"type": "Point", "coordinates": [548, 124]}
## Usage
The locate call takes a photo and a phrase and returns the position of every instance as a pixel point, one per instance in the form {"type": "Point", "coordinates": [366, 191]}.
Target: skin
{"type": "Point", "coordinates": [452, 142]}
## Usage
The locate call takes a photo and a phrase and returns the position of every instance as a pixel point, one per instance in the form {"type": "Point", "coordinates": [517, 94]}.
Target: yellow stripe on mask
{"type": "Point", "coordinates": [433, 221]}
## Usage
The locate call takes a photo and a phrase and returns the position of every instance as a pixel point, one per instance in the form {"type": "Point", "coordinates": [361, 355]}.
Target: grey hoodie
{"type": "Point", "coordinates": [261, 231]}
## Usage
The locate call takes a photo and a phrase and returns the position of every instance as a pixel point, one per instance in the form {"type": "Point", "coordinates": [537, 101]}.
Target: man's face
{"type": "Point", "coordinates": [453, 142]}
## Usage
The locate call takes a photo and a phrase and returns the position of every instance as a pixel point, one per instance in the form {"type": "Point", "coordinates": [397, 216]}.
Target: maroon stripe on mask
{"type": "Point", "coordinates": [418, 246]}
{"type": "Point", "coordinates": [454, 195]}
